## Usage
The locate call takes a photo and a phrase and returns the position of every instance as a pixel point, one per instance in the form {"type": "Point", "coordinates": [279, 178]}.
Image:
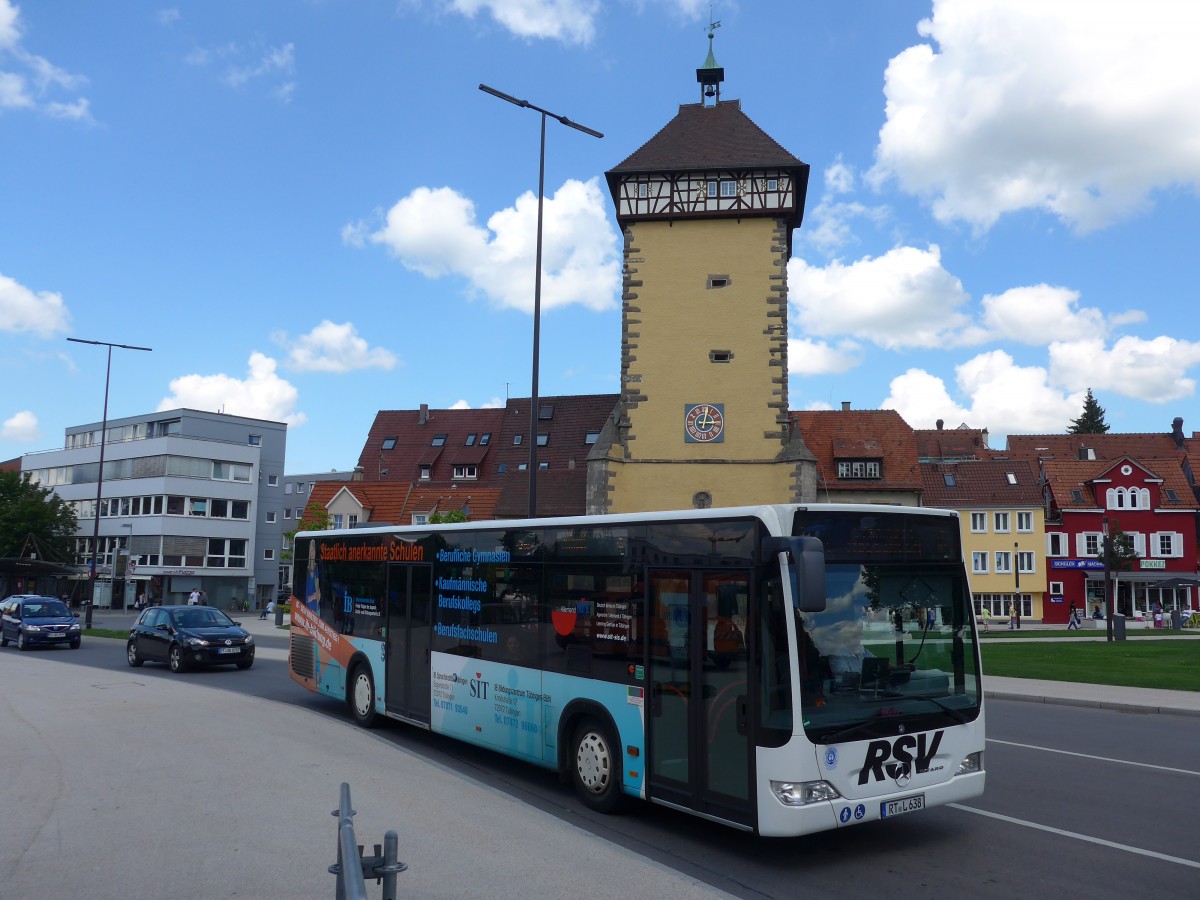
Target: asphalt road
{"type": "Point", "coordinates": [1080, 802]}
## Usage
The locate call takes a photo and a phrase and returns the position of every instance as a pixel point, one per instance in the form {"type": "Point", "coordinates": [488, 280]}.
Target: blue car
{"type": "Point", "coordinates": [30, 620]}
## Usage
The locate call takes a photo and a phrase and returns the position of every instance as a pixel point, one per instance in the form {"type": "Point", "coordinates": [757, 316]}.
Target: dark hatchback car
{"type": "Point", "coordinates": [31, 620]}
{"type": "Point", "coordinates": [186, 636]}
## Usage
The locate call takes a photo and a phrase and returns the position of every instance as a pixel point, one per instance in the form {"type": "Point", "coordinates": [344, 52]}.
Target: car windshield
{"type": "Point", "coordinates": [200, 618]}
{"type": "Point", "coordinates": [45, 609]}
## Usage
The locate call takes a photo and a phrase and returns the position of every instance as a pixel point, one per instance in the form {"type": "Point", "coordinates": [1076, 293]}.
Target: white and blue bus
{"type": "Point", "coordinates": [783, 669]}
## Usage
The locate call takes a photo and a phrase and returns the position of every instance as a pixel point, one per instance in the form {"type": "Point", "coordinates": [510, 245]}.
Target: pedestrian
{"type": "Point", "coordinates": [268, 609]}
{"type": "Point", "coordinates": [986, 617]}
{"type": "Point", "coordinates": [1158, 614]}
{"type": "Point", "coordinates": [1073, 617]}
{"type": "Point", "coordinates": [194, 597]}
{"type": "Point", "coordinates": [1012, 617]}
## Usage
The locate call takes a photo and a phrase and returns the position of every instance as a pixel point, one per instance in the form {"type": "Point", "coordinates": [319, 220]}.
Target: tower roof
{"type": "Point", "coordinates": [708, 137]}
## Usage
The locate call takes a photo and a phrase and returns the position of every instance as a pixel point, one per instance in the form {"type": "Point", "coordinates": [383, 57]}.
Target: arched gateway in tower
{"type": "Point", "coordinates": [707, 207]}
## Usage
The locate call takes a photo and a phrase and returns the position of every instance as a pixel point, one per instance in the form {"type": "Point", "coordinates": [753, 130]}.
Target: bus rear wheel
{"type": "Point", "coordinates": [596, 766]}
{"type": "Point", "coordinates": [360, 694]}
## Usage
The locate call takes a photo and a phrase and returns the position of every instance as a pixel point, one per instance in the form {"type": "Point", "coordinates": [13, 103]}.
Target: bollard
{"type": "Point", "coordinates": [278, 614]}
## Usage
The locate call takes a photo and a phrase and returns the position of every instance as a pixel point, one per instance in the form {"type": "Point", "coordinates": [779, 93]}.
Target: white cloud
{"type": "Point", "coordinates": [899, 300]}
{"type": "Point", "coordinates": [1004, 397]}
{"type": "Point", "coordinates": [21, 310]}
{"type": "Point", "coordinates": [273, 61]}
{"type": "Point", "coordinates": [570, 21]}
{"type": "Point", "coordinates": [1039, 313]}
{"type": "Point", "coordinates": [168, 17]}
{"type": "Point", "coordinates": [260, 395]}
{"type": "Point", "coordinates": [1079, 111]}
{"type": "Point", "coordinates": [1153, 371]}
{"type": "Point", "coordinates": [434, 231]}
{"type": "Point", "coordinates": [807, 357]}
{"type": "Point", "coordinates": [16, 90]}
{"type": "Point", "coordinates": [21, 427]}
{"type": "Point", "coordinates": [335, 348]}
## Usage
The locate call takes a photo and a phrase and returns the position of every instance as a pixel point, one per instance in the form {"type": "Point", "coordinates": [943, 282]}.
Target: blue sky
{"type": "Point", "coordinates": [310, 212]}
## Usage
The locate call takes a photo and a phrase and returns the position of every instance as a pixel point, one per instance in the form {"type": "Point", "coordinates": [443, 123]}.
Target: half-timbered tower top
{"type": "Point", "coordinates": [710, 162]}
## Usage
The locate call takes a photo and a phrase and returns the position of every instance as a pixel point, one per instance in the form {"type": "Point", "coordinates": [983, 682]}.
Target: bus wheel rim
{"type": "Point", "coordinates": [593, 762]}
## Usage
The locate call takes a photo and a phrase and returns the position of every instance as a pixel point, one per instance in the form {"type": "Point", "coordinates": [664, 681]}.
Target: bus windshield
{"type": "Point", "coordinates": [895, 643]}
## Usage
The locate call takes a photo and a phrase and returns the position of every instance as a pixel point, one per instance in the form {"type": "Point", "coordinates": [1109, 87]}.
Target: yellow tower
{"type": "Point", "coordinates": [707, 208]}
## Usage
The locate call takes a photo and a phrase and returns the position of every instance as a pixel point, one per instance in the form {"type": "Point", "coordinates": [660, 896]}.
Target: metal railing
{"type": "Point", "coordinates": [383, 867]}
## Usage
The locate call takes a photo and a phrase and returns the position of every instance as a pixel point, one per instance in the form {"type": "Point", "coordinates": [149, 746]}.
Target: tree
{"type": "Point", "coordinates": [1118, 554]}
{"type": "Point", "coordinates": [453, 515]}
{"type": "Point", "coordinates": [1091, 420]}
{"type": "Point", "coordinates": [30, 510]}
{"type": "Point", "coordinates": [315, 518]}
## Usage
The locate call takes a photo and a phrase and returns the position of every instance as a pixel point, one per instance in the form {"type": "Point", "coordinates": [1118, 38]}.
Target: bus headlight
{"type": "Point", "coordinates": [802, 793]}
{"type": "Point", "coordinates": [973, 763]}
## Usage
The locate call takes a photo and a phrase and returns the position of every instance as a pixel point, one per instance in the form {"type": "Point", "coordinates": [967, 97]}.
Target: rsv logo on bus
{"type": "Point", "coordinates": [901, 753]}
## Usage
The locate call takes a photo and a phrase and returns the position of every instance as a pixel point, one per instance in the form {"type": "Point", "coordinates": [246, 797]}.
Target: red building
{"type": "Point", "coordinates": [1149, 499]}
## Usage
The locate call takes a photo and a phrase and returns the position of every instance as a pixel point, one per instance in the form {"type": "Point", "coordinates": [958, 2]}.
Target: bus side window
{"type": "Point", "coordinates": [775, 683]}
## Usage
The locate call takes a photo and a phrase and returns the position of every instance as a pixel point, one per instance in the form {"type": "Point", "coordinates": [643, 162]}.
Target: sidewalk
{"type": "Point", "coordinates": [1101, 696]}
{"type": "Point", "coordinates": [129, 786]}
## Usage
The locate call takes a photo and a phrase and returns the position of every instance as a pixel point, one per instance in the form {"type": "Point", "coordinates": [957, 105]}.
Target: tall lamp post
{"type": "Point", "coordinates": [93, 572]}
{"type": "Point", "coordinates": [537, 280]}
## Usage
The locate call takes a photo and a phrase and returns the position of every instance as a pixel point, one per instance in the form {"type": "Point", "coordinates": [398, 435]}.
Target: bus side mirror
{"type": "Point", "coordinates": [807, 556]}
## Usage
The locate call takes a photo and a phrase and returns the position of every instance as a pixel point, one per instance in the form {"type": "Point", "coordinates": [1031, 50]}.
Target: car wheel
{"type": "Point", "coordinates": [3, 642]}
{"type": "Point", "coordinates": [360, 694]}
{"type": "Point", "coordinates": [131, 654]}
{"type": "Point", "coordinates": [245, 663]}
{"type": "Point", "coordinates": [75, 644]}
{"type": "Point", "coordinates": [596, 766]}
{"type": "Point", "coordinates": [22, 644]}
{"type": "Point", "coordinates": [175, 658]}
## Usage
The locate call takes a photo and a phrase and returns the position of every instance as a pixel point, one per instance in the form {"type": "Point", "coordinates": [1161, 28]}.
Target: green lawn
{"type": "Point", "coordinates": [1148, 663]}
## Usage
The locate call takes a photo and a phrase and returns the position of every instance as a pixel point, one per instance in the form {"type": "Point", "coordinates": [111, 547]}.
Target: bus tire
{"type": "Point", "coordinates": [596, 766]}
{"type": "Point", "coordinates": [360, 695]}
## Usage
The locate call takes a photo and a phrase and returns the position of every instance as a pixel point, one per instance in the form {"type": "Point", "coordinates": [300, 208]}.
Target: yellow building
{"type": "Point", "coordinates": [1003, 526]}
{"type": "Point", "coordinates": [707, 208]}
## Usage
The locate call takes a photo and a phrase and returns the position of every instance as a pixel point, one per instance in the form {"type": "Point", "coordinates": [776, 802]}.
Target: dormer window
{"type": "Point", "coordinates": [389, 443]}
{"type": "Point", "coordinates": [850, 470]}
{"type": "Point", "coordinates": [424, 472]}
{"type": "Point", "coordinates": [465, 472]}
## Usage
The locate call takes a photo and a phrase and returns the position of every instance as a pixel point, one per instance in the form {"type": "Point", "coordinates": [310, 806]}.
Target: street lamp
{"type": "Point", "coordinates": [537, 280]}
{"type": "Point", "coordinates": [93, 573]}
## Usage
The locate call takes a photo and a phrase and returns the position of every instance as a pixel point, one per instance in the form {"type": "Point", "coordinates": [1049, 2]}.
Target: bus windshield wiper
{"type": "Point", "coordinates": [954, 713]}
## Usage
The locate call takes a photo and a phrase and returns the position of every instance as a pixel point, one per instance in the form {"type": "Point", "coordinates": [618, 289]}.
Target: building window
{"type": "Point", "coordinates": [502, 468]}
{"type": "Point", "coordinates": [1025, 522]}
{"type": "Point", "coordinates": [948, 477]}
{"type": "Point", "coordinates": [978, 523]}
{"type": "Point", "coordinates": [439, 440]}
{"type": "Point", "coordinates": [643, 190]}
{"type": "Point", "coordinates": [1089, 543]}
{"type": "Point", "coordinates": [859, 469]}
{"type": "Point", "coordinates": [979, 562]}
{"type": "Point", "coordinates": [1056, 589]}
{"type": "Point", "coordinates": [1000, 521]}
{"type": "Point", "coordinates": [1077, 495]}
{"type": "Point", "coordinates": [591, 437]}
{"type": "Point", "coordinates": [424, 472]}
{"type": "Point", "coordinates": [1171, 495]}
{"type": "Point", "coordinates": [715, 282]}
{"type": "Point", "coordinates": [543, 439]}
{"type": "Point", "coordinates": [1056, 544]}
{"type": "Point", "coordinates": [352, 521]}
{"type": "Point", "coordinates": [226, 553]}
{"type": "Point", "coordinates": [272, 481]}
{"type": "Point", "coordinates": [1025, 562]}
{"type": "Point", "coordinates": [485, 439]}
{"type": "Point", "coordinates": [268, 553]}
{"type": "Point", "coordinates": [712, 189]}
{"type": "Point", "coordinates": [270, 516]}
{"type": "Point", "coordinates": [287, 512]}
{"type": "Point", "coordinates": [222, 471]}
{"type": "Point", "coordinates": [772, 184]}
{"type": "Point", "coordinates": [287, 488]}
{"type": "Point", "coordinates": [1003, 562]}
{"type": "Point", "coordinates": [728, 189]}
{"type": "Point", "coordinates": [337, 520]}
{"type": "Point", "coordinates": [1011, 476]}
{"type": "Point", "coordinates": [1167, 544]}
{"type": "Point", "coordinates": [300, 487]}
{"type": "Point", "coordinates": [470, 442]}
{"type": "Point", "coordinates": [543, 465]}
{"type": "Point", "coordinates": [466, 472]}
{"type": "Point", "coordinates": [420, 519]}
{"type": "Point", "coordinates": [239, 509]}
{"type": "Point", "coordinates": [389, 443]}
{"type": "Point", "coordinates": [516, 439]}
{"type": "Point", "coordinates": [255, 440]}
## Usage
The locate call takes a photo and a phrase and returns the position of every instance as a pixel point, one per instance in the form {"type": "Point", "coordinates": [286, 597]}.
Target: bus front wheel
{"type": "Point", "coordinates": [360, 692]}
{"type": "Point", "coordinates": [596, 766]}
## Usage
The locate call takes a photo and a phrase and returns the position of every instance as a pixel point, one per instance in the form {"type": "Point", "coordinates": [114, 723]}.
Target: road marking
{"type": "Point", "coordinates": [1123, 762]}
{"type": "Point", "coordinates": [1081, 837]}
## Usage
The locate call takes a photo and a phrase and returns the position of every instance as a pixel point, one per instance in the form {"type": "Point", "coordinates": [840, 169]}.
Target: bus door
{"type": "Point", "coordinates": [698, 717]}
{"type": "Point", "coordinates": [409, 628]}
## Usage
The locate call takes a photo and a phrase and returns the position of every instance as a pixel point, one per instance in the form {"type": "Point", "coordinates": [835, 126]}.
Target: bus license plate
{"type": "Point", "coordinates": [901, 806]}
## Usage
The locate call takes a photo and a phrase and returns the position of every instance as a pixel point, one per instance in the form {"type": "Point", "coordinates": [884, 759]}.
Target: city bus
{"type": "Point", "coordinates": [783, 669]}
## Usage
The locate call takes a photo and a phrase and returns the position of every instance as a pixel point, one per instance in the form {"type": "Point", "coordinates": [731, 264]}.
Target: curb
{"type": "Point", "coordinates": [1094, 704]}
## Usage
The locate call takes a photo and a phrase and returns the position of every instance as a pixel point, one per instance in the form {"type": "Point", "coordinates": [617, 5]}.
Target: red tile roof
{"type": "Point", "coordinates": [395, 504]}
{"type": "Point", "coordinates": [981, 483]}
{"type": "Point", "coordinates": [934, 444]}
{"type": "Point", "coordinates": [1102, 446]}
{"type": "Point", "coordinates": [1080, 475]}
{"type": "Point", "coordinates": [862, 433]}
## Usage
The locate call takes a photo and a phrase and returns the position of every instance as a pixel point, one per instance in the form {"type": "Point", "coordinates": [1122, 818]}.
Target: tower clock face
{"type": "Point", "coordinates": [704, 423]}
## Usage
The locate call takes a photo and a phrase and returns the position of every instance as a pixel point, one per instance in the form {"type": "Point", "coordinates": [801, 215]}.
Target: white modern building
{"type": "Point", "coordinates": [188, 500]}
